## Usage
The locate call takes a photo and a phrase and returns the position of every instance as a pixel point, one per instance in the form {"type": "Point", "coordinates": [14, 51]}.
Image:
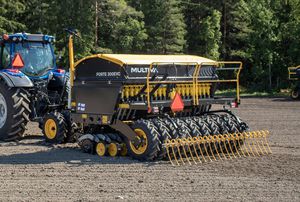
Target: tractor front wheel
{"type": "Point", "coordinates": [55, 128]}
{"type": "Point", "coordinates": [14, 112]}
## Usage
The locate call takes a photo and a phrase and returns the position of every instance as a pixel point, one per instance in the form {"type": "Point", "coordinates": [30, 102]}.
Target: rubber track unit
{"type": "Point", "coordinates": [18, 104]}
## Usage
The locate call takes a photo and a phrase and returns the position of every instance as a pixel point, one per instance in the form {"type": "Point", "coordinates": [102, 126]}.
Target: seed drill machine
{"type": "Point", "coordinates": [294, 77]}
{"type": "Point", "coordinates": [154, 107]}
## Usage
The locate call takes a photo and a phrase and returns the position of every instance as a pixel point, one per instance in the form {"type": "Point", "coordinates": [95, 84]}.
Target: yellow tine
{"type": "Point", "coordinates": [265, 134]}
{"type": "Point", "coordinates": [262, 142]}
{"type": "Point", "coordinates": [238, 137]}
{"type": "Point", "coordinates": [173, 151]}
{"type": "Point", "coordinates": [211, 151]}
{"type": "Point", "coordinates": [229, 144]}
{"type": "Point", "coordinates": [192, 140]}
{"type": "Point", "coordinates": [179, 152]}
{"type": "Point", "coordinates": [167, 143]}
{"type": "Point", "coordinates": [233, 139]}
{"type": "Point", "coordinates": [203, 141]}
{"type": "Point", "coordinates": [248, 142]}
{"type": "Point", "coordinates": [214, 139]}
{"type": "Point", "coordinates": [221, 147]}
{"type": "Point", "coordinates": [182, 143]}
{"type": "Point", "coordinates": [224, 141]}
{"type": "Point", "coordinates": [253, 143]}
{"type": "Point", "coordinates": [245, 145]}
{"type": "Point", "coordinates": [256, 136]}
{"type": "Point", "coordinates": [189, 144]}
{"type": "Point", "coordinates": [199, 141]}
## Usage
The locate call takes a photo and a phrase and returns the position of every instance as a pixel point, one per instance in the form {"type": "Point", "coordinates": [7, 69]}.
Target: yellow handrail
{"type": "Point", "coordinates": [292, 72]}
{"type": "Point", "coordinates": [196, 78]}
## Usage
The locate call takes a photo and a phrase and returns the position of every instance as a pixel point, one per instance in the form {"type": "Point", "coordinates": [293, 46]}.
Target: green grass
{"type": "Point", "coordinates": [249, 93]}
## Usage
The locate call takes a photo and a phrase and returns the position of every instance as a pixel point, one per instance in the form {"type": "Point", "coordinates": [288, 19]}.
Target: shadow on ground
{"type": "Point", "coordinates": [70, 154]}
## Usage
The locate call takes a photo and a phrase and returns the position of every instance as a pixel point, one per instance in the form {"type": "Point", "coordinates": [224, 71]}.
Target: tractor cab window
{"type": "Point", "coordinates": [38, 58]}
{"type": "Point", "coordinates": [5, 56]}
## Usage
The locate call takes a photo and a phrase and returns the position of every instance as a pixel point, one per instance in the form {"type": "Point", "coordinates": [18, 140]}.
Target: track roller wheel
{"type": "Point", "coordinates": [101, 149]}
{"type": "Point", "coordinates": [295, 94]}
{"type": "Point", "coordinates": [55, 128]}
{"type": "Point", "coordinates": [113, 149]}
{"type": "Point", "coordinates": [124, 150]}
{"type": "Point", "coordinates": [87, 146]}
{"type": "Point", "coordinates": [149, 141]}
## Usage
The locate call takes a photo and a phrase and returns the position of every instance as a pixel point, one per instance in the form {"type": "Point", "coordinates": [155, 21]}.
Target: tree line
{"type": "Point", "coordinates": [263, 34]}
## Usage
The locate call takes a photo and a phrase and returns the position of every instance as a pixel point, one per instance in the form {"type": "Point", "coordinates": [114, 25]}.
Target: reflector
{"type": "Point", "coordinates": [177, 103]}
{"type": "Point", "coordinates": [61, 71]}
{"type": "Point", "coordinates": [18, 61]}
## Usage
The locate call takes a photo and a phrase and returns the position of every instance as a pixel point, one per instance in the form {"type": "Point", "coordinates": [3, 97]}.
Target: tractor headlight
{"type": "Point", "coordinates": [14, 38]}
{"type": "Point", "coordinates": [20, 38]}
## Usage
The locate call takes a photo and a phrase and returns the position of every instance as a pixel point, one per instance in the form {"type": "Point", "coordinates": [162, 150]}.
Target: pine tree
{"type": "Point", "coordinates": [164, 22]}
{"type": "Point", "coordinates": [9, 15]}
{"type": "Point", "coordinates": [203, 26]}
{"type": "Point", "coordinates": [121, 27]}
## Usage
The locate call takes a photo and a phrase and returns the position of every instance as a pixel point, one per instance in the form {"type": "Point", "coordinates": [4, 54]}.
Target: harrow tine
{"type": "Point", "coordinates": [188, 143]}
{"type": "Point", "coordinates": [183, 144]}
{"type": "Point", "coordinates": [257, 142]}
{"type": "Point", "coordinates": [193, 143]}
{"type": "Point", "coordinates": [209, 144]}
{"type": "Point", "coordinates": [265, 134]}
{"type": "Point", "coordinates": [232, 136]}
{"type": "Point", "coordinates": [262, 142]}
{"type": "Point", "coordinates": [225, 145]}
{"type": "Point", "coordinates": [245, 145]}
{"type": "Point", "coordinates": [228, 140]}
{"type": "Point", "coordinates": [199, 140]}
{"type": "Point", "coordinates": [248, 142]}
{"type": "Point", "coordinates": [238, 137]}
{"type": "Point", "coordinates": [253, 143]}
{"type": "Point", "coordinates": [214, 139]}
{"type": "Point", "coordinates": [221, 147]}
{"type": "Point", "coordinates": [179, 152]}
{"type": "Point", "coordinates": [204, 141]}
{"type": "Point", "coordinates": [167, 143]}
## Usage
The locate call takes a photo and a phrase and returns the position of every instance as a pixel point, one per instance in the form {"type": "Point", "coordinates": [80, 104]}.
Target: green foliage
{"type": "Point", "coordinates": [164, 22]}
{"type": "Point", "coordinates": [204, 29]}
{"type": "Point", "coordinates": [121, 27]}
{"type": "Point", "coordinates": [9, 13]}
{"type": "Point", "coordinates": [263, 34]}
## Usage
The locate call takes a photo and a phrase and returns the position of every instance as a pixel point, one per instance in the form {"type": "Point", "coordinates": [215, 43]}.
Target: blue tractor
{"type": "Point", "coordinates": [32, 88]}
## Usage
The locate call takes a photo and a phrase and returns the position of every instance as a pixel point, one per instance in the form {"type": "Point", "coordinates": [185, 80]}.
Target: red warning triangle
{"type": "Point", "coordinates": [18, 61]}
{"type": "Point", "coordinates": [177, 103]}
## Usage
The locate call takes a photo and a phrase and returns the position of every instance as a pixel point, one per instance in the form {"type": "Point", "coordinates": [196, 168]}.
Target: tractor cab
{"type": "Point", "coordinates": [31, 54]}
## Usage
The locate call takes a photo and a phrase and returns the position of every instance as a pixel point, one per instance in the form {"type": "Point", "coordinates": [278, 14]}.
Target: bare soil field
{"type": "Point", "coordinates": [31, 170]}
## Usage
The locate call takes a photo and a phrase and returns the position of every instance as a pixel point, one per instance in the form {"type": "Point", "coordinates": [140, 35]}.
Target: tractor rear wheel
{"type": "Point", "coordinates": [149, 138]}
{"type": "Point", "coordinates": [55, 128]}
{"type": "Point", "coordinates": [14, 112]}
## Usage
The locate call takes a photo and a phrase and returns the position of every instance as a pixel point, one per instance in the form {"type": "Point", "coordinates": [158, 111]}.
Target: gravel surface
{"type": "Point", "coordinates": [31, 170]}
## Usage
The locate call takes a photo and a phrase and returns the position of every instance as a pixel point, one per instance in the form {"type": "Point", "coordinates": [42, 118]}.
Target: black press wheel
{"type": "Point", "coordinates": [55, 128]}
{"type": "Point", "coordinates": [149, 141]}
{"type": "Point", "coordinates": [14, 112]}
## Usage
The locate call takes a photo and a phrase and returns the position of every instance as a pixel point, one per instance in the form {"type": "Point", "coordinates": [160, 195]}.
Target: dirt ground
{"type": "Point", "coordinates": [31, 170]}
